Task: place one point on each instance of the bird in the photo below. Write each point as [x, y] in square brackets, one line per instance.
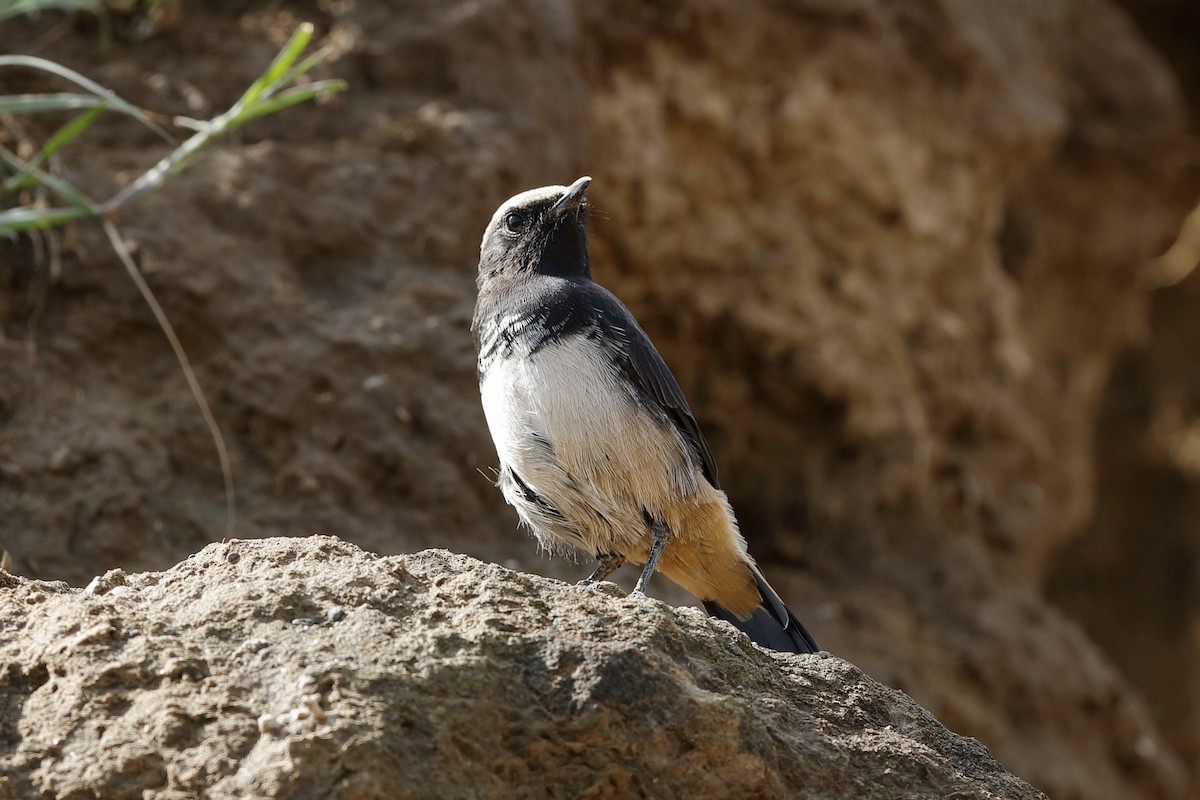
[599, 451]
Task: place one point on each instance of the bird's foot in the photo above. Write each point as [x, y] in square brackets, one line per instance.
[661, 533]
[609, 562]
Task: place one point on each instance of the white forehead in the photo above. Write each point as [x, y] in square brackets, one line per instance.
[539, 195]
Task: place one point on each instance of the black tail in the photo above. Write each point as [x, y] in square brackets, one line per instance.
[771, 625]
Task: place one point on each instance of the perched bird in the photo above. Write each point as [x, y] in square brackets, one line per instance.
[598, 448]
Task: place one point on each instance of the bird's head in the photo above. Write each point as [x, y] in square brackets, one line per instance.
[539, 231]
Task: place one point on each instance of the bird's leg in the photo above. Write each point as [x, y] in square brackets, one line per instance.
[609, 562]
[660, 533]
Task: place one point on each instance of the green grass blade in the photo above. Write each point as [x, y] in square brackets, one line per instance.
[114, 102]
[55, 184]
[45, 65]
[261, 99]
[306, 65]
[63, 101]
[16, 8]
[66, 191]
[26, 218]
[61, 138]
[288, 97]
[68, 133]
[267, 82]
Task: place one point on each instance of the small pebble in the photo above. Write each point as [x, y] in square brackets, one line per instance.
[60, 460]
[313, 704]
[335, 614]
[304, 622]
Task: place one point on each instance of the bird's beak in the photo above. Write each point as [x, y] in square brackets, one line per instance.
[571, 198]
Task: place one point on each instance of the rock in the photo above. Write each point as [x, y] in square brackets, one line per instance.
[446, 677]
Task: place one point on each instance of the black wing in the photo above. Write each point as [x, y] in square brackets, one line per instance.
[646, 368]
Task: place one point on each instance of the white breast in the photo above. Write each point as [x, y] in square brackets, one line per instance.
[565, 393]
[608, 457]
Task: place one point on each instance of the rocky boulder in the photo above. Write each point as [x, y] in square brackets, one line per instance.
[311, 668]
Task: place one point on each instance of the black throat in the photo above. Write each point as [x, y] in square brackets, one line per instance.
[564, 252]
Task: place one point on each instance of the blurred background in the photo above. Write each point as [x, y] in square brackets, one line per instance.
[902, 257]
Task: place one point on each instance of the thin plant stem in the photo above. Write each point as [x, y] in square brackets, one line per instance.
[114, 238]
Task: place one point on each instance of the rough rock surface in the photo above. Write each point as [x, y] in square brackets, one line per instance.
[310, 668]
[891, 250]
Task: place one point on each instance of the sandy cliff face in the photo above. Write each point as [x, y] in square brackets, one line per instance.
[891, 253]
[878, 204]
[1132, 575]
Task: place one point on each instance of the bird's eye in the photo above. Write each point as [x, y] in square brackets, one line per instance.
[514, 222]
